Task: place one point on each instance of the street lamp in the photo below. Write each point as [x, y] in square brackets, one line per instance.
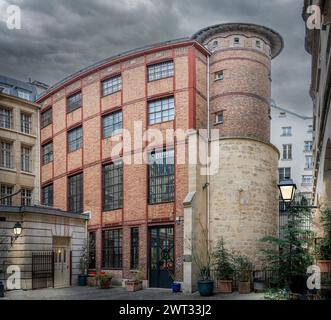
[287, 191]
[17, 232]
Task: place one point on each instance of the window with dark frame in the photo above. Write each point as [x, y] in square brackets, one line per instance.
[47, 150]
[112, 124]
[112, 249]
[25, 123]
[26, 159]
[75, 193]
[92, 250]
[219, 117]
[75, 139]
[111, 85]
[46, 118]
[160, 70]
[112, 186]
[161, 182]
[26, 197]
[6, 118]
[134, 262]
[74, 101]
[284, 174]
[47, 196]
[287, 152]
[6, 192]
[161, 110]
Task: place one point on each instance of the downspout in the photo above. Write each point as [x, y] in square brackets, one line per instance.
[208, 151]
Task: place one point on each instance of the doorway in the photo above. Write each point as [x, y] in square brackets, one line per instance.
[161, 259]
[62, 262]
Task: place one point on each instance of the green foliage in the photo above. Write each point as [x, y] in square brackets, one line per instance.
[275, 294]
[243, 267]
[289, 255]
[223, 261]
[324, 247]
[104, 278]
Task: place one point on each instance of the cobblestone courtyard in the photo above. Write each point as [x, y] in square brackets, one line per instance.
[117, 293]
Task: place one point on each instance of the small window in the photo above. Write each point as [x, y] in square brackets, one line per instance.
[308, 146]
[74, 102]
[46, 118]
[287, 152]
[6, 155]
[309, 162]
[161, 110]
[307, 180]
[282, 114]
[75, 139]
[286, 131]
[24, 94]
[310, 129]
[160, 71]
[284, 174]
[214, 45]
[6, 118]
[26, 159]
[5, 89]
[25, 123]
[112, 124]
[111, 85]
[219, 118]
[47, 153]
[26, 197]
[219, 75]
[47, 196]
[6, 195]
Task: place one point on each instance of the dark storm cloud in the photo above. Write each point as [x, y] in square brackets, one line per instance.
[63, 36]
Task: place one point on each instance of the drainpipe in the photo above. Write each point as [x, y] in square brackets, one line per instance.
[208, 149]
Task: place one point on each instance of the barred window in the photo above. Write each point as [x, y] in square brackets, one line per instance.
[161, 110]
[161, 177]
[112, 124]
[75, 193]
[26, 160]
[134, 263]
[112, 249]
[26, 197]
[47, 196]
[6, 118]
[111, 85]
[284, 174]
[92, 250]
[47, 152]
[25, 123]
[74, 102]
[6, 155]
[160, 70]
[46, 118]
[75, 139]
[6, 192]
[112, 186]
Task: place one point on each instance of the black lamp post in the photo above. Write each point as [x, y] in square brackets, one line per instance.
[17, 232]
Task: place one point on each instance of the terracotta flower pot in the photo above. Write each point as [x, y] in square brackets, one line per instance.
[224, 286]
[324, 265]
[244, 287]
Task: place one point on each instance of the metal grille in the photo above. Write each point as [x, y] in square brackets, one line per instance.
[42, 269]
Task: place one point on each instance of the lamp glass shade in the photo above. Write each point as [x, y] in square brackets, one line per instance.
[18, 229]
[287, 190]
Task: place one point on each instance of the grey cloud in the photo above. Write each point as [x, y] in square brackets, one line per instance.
[61, 37]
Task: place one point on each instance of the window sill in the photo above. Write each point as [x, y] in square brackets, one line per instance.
[28, 173]
[113, 136]
[286, 159]
[44, 127]
[160, 203]
[71, 111]
[158, 123]
[72, 151]
[8, 169]
[106, 211]
[218, 123]
[308, 169]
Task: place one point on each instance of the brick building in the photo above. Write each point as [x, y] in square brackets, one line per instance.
[218, 79]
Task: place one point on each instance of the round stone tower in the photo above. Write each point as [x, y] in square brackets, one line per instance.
[244, 193]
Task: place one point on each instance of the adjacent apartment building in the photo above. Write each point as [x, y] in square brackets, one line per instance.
[318, 44]
[292, 134]
[151, 215]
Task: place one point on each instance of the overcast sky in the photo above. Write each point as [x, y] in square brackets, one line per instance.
[60, 37]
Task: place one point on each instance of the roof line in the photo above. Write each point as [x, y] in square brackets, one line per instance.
[110, 59]
[291, 112]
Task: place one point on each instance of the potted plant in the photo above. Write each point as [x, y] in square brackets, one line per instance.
[324, 247]
[83, 265]
[203, 260]
[104, 280]
[135, 283]
[243, 273]
[176, 285]
[224, 268]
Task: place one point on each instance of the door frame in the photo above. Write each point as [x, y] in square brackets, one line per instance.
[153, 226]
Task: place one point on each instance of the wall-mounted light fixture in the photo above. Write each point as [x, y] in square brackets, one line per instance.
[17, 232]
